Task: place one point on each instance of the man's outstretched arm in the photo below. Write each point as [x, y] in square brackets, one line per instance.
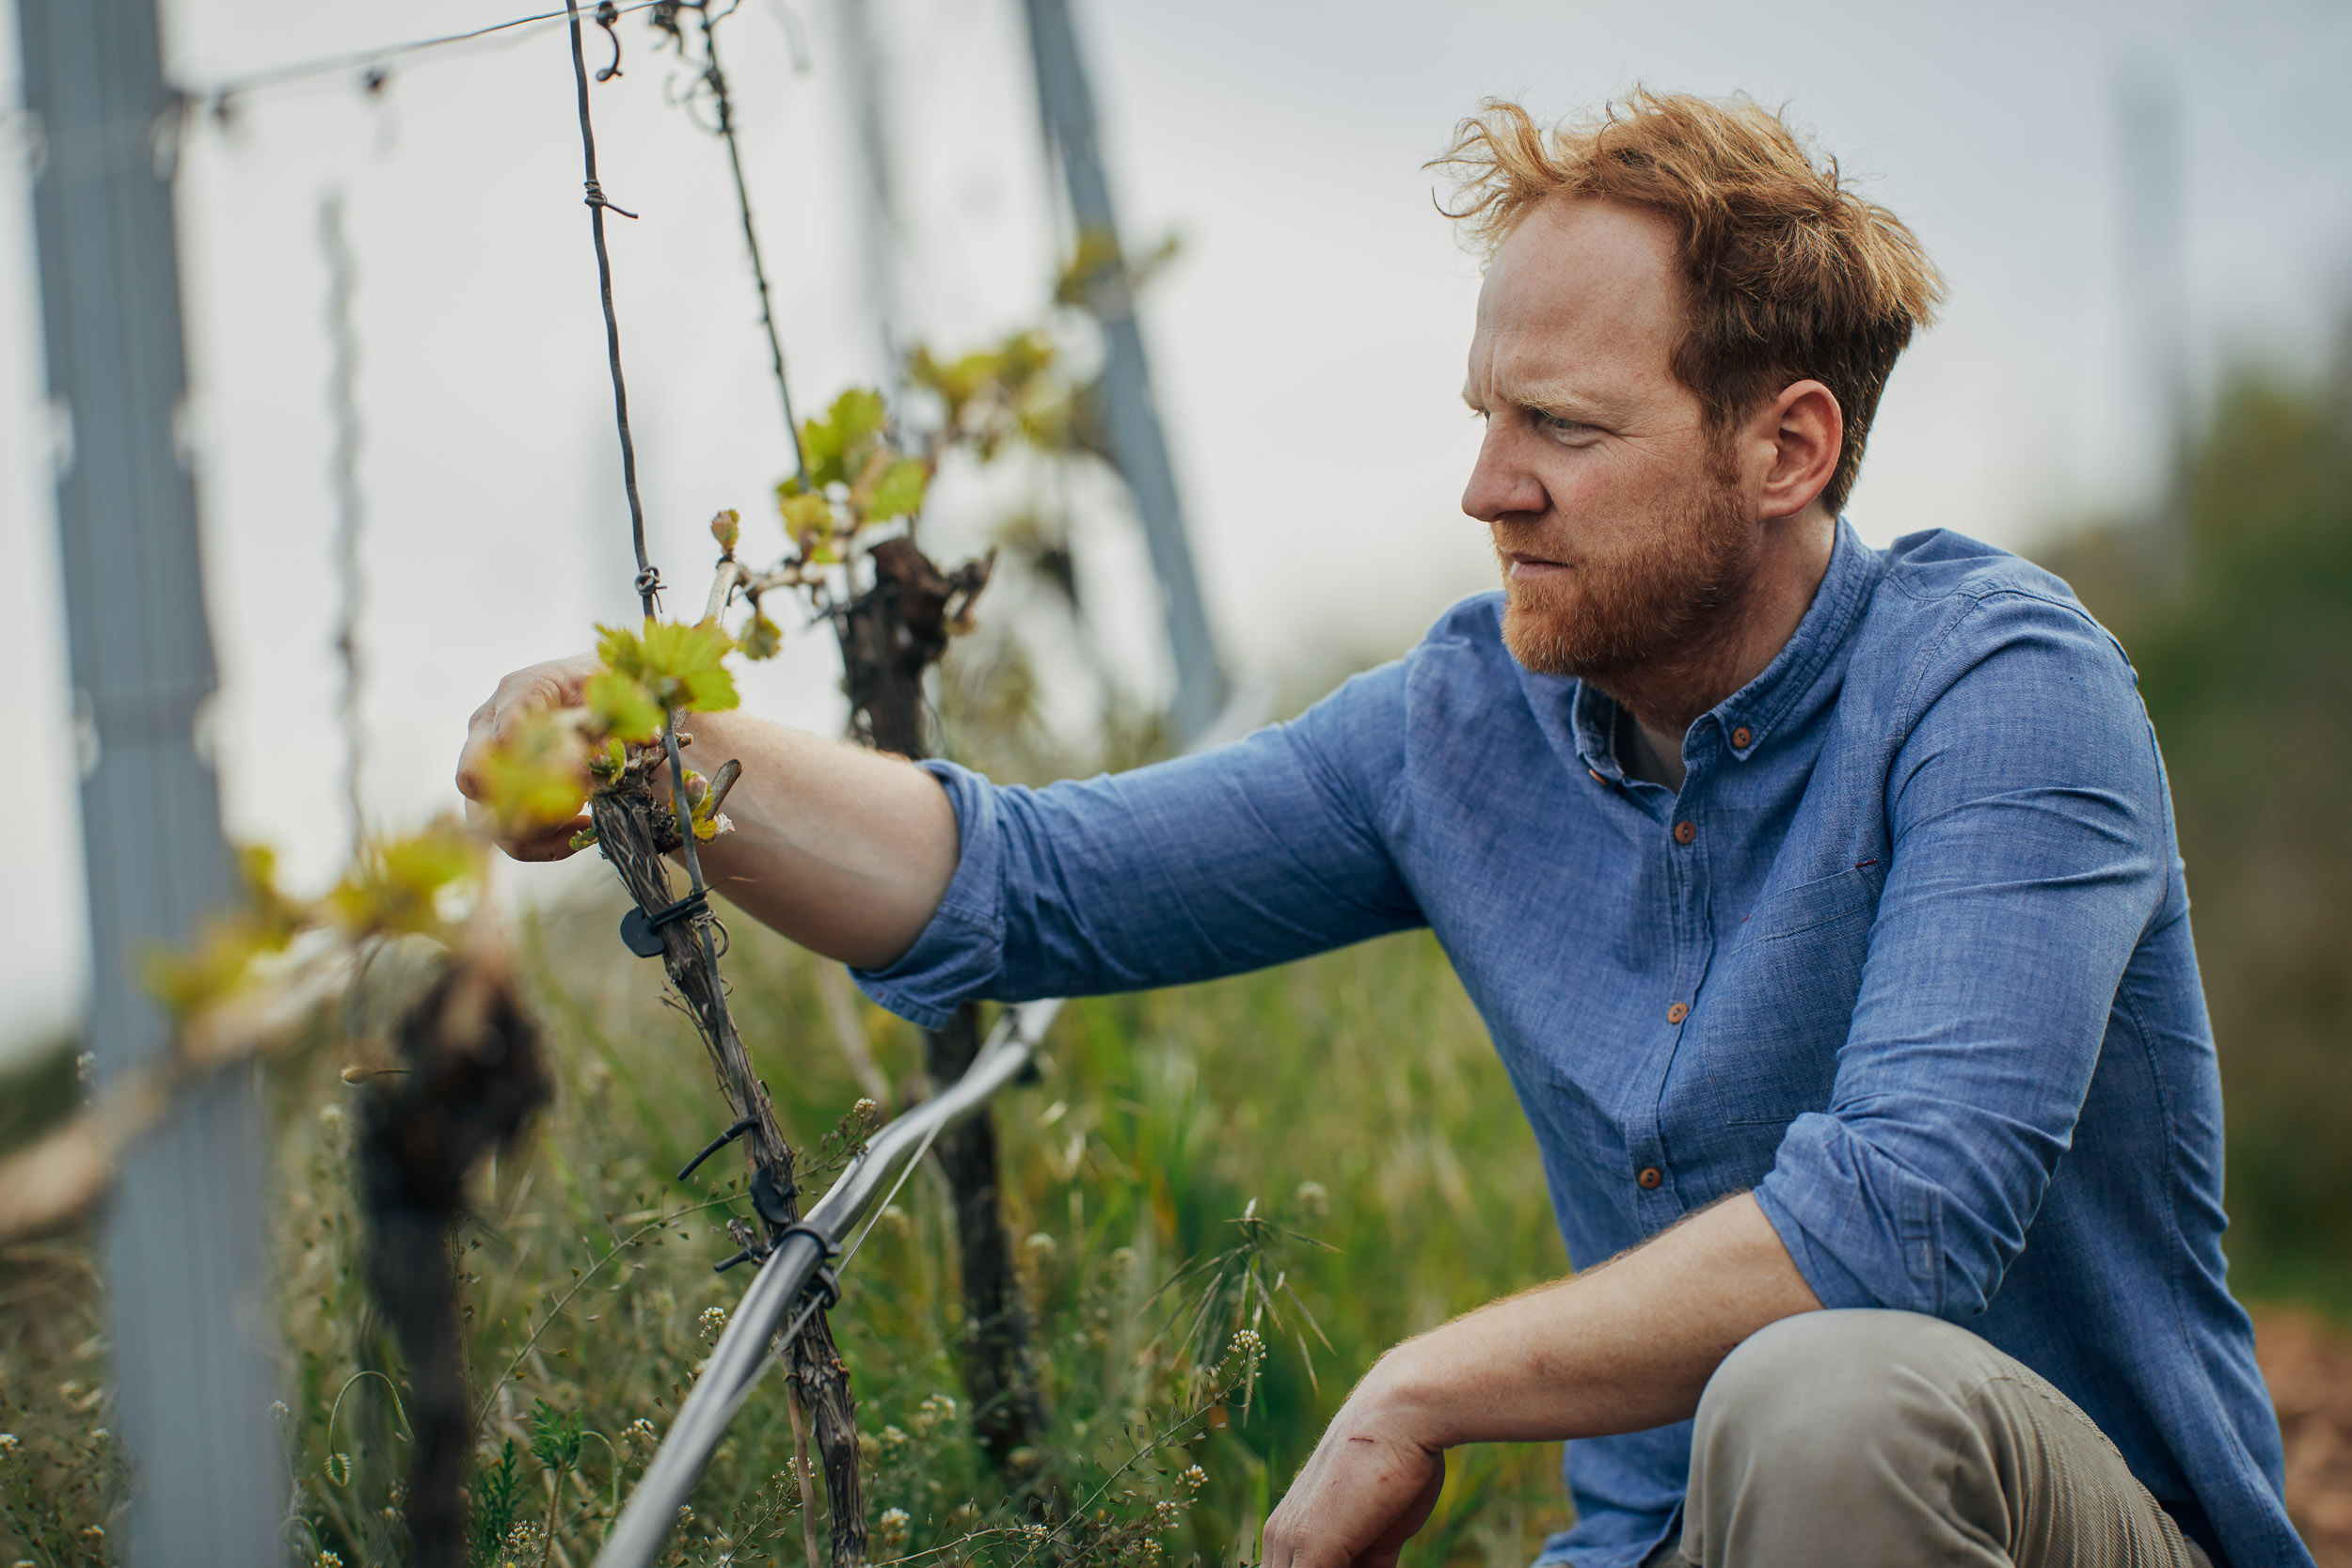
[846, 851]
[1619, 1348]
[1264, 851]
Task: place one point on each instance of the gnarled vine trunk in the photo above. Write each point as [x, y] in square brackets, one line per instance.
[890, 635]
[633, 828]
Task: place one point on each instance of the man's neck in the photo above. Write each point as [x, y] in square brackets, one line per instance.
[1666, 695]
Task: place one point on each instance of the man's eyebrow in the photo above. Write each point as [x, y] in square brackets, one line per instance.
[1565, 402]
[1560, 402]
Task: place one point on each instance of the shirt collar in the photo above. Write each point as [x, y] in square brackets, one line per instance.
[1786, 690]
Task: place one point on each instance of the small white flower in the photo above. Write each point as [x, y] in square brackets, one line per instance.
[714, 1320]
[891, 1529]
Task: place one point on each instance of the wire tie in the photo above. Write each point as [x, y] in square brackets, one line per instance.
[596, 197]
[607, 14]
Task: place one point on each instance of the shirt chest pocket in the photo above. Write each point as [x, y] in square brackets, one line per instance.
[1772, 1017]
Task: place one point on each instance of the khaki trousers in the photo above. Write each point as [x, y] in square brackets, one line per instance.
[1865, 1439]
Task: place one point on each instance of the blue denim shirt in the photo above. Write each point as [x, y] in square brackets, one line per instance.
[1908, 956]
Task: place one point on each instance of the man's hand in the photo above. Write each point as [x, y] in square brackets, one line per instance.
[846, 851]
[553, 685]
[1618, 1348]
[1369, 1485]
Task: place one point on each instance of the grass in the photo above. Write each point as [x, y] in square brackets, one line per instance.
[1351, 1099]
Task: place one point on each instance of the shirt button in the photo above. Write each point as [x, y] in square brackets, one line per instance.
[1649, 1177]
[1677, 1013]
[1740, 739]
[1685, 832]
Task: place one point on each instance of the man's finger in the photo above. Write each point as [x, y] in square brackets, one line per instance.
[544, 844]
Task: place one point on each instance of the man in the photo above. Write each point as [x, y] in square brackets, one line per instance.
[1822, 903]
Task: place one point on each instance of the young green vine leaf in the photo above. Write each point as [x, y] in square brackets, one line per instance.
[416, 885]
[762, 637]
[837, 443]
[647, 673]
[220, 961]
[898, 491]
[535, 780]
[412, 886]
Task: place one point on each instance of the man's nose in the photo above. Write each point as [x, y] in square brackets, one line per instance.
[1501, 486]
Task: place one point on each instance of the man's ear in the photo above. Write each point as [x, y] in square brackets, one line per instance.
[1806, 431]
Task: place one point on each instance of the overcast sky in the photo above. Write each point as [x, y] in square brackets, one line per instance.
[1308, 342]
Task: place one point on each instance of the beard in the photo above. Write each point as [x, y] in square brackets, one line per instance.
[1661, 604]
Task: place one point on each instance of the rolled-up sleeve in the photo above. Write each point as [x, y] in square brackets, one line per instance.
[2030, 851]
[1251, 854]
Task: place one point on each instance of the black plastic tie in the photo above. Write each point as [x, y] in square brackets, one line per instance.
[641, 932]
[773, 1199]
[717, 1144]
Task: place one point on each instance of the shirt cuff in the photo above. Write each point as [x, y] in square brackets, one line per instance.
[1861, 1229]
[961, 950]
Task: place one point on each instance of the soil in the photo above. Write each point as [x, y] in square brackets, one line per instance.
[2308, 1363]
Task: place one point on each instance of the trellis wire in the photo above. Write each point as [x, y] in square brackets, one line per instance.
[361, 59]
[648, 583]
[648, 579]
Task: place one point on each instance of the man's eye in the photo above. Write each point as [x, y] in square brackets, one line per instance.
[1558, 424]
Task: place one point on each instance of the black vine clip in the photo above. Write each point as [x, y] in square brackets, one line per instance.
[717, 1144]
[641, 932]
[774, 1200]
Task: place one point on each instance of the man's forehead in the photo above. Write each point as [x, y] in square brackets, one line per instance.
[1581, 294]
[1579, 249]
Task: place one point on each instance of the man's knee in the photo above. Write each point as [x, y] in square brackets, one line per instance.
[1821, 1384]
[1842, 1422]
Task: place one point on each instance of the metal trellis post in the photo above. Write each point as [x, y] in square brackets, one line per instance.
[185, 1258]
[1130, 418]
